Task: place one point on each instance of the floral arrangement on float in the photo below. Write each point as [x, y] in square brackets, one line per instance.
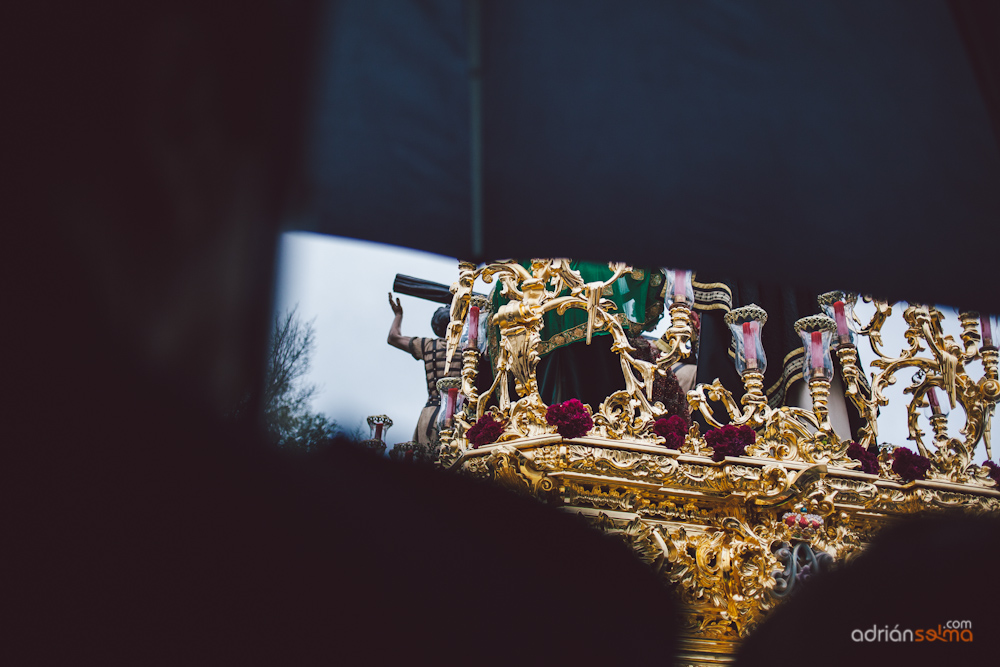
[728, 496]
[730, 441]
[485, 431]
[571, 418]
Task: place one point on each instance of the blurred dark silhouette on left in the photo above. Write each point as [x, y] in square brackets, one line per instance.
[161, 145]
[157, 147]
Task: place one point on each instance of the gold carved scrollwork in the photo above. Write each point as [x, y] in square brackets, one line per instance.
[533, 292]
[725, 574]
[511, 469]
[945, 369]
[714, 528]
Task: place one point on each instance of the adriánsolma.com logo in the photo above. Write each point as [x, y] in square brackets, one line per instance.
[952, 631]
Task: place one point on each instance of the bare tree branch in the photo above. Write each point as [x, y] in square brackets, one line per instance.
[285, 397]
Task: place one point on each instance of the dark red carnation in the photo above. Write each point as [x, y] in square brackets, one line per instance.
[730, 440]
[673, 429]
[909, 465]
[570, 418]
[869, 460]
[484, 431]
[994, 471]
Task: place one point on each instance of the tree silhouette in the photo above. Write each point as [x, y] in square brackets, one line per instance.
[285, 397]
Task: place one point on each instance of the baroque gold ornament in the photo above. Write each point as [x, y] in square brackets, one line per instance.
[730, 535]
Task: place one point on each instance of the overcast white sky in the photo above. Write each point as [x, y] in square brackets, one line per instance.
[342, 285]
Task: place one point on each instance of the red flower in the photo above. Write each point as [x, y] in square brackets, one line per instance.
[869, 460]
[570, 418]
[484, 431]
[673, 429]
[730, 440]
[909, 465]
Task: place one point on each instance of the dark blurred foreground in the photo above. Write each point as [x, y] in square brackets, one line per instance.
[158, 538]
[157, 154]
[918, 575]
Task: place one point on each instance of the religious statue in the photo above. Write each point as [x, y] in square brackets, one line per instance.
[433, 353]
[570, 365]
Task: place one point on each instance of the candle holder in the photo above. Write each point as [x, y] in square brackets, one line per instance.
[990, 327]
[989, 389]
[745, 325]
[839, 307]
[461, 291]
[850, 370]
[378, 426]
[676, 342]
[679, 288]
[470, 371]
[450, 403]
[937, 413]
[816, 332]
[473, 347]
[990, 383]
[753, 383]
[474, 327]
[970, 321]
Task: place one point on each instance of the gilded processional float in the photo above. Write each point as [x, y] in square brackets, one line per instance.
[735, 510]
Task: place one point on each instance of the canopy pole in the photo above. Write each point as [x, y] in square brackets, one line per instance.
[476, 127]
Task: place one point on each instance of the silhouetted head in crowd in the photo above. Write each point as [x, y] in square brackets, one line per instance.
[886, 605]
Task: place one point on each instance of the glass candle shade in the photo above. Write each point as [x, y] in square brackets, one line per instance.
[476, 323]
[679, 289]
[937, 404]
[988, 325]
[379, 425]
[817, 333]
[451, 401]
[745, 324]
[839, 307]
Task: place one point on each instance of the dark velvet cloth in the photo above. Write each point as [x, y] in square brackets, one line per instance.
[589, 373]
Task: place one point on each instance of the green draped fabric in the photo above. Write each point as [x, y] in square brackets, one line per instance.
[638, 298]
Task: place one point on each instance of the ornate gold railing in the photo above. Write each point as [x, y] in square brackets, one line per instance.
[734, 535]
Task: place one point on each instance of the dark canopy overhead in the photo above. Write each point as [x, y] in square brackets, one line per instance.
[821, 143]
